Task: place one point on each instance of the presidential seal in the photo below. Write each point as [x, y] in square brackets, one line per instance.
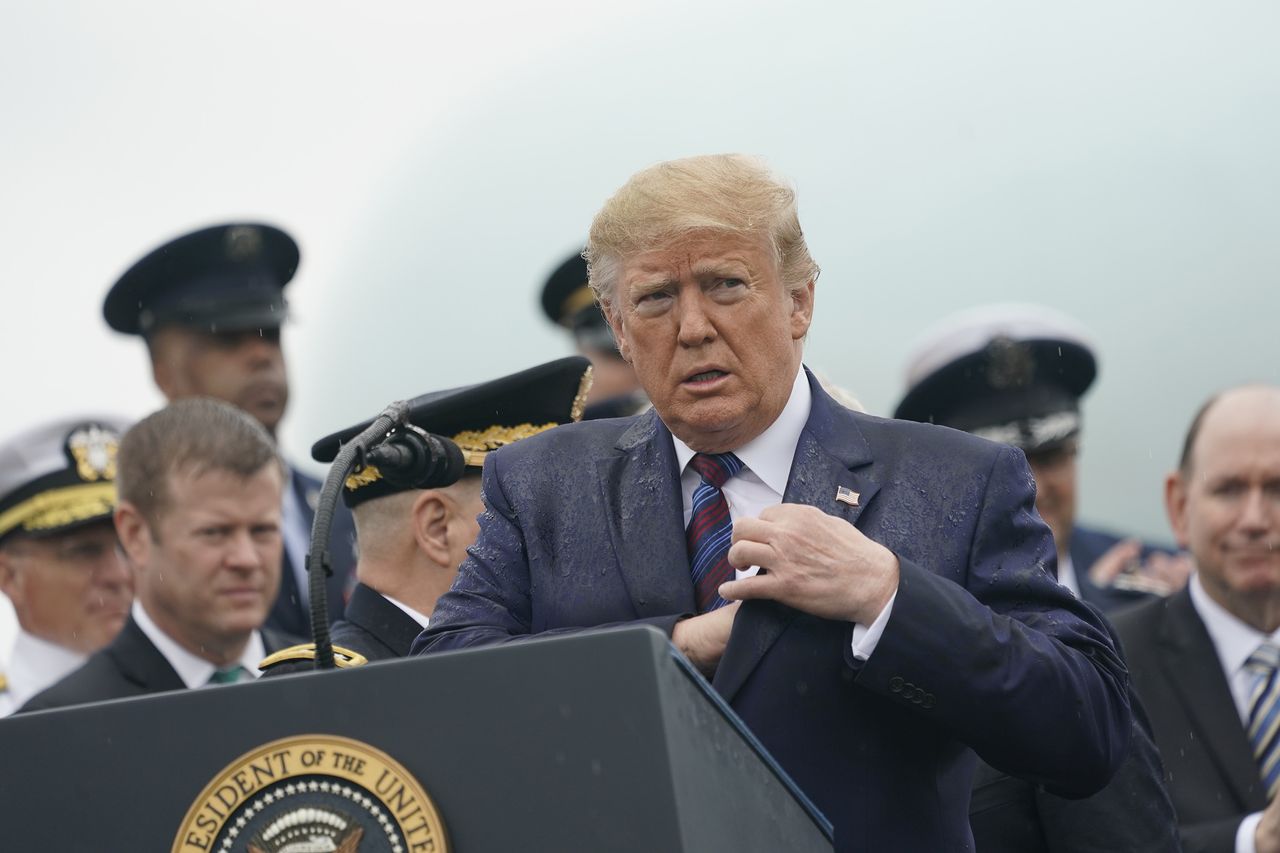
[312, 794]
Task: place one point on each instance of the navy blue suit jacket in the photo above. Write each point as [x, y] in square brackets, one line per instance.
[983, 649]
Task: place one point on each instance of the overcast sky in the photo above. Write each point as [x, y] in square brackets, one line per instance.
[1113, 160]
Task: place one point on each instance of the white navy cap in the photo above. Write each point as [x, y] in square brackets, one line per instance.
[59, 475]
[1013, 373]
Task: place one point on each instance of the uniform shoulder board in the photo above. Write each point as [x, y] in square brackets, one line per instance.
[306, 653]
[4, 683]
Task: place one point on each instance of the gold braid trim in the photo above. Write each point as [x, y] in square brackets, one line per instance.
[580, 399]
[366, 475]
[576, 301]
[60, 507]
[342, 658]
[476, 444]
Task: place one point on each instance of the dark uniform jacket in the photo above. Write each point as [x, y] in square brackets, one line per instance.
[374, 627]
[1087, 545]
[130, 666]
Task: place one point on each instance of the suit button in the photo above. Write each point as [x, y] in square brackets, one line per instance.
[929, 701]
[895, 684]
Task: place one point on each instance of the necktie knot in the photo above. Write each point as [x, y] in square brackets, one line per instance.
[230, 675]
[715, 468]
[1264, 660]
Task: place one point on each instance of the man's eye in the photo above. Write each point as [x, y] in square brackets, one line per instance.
[731, 282]
[85, 553]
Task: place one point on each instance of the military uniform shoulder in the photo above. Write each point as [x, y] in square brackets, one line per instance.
[301, 658]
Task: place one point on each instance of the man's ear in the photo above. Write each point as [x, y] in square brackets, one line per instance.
[134, 533]
[1175, 504]
[164, 353]
[613, 317]
[11, 579]
[430, 514]
[801, 311]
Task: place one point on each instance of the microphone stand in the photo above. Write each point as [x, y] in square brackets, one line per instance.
[319, 567]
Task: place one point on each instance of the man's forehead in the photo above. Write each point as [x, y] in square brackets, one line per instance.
[196, 476]
[698, 255]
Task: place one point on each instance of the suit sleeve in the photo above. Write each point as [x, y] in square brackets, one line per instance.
[491, 598]
[1010, 662]
[1217, 836]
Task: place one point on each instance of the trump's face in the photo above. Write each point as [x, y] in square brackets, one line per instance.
[714, 335]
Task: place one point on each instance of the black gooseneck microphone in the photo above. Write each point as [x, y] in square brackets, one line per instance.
[414, 459]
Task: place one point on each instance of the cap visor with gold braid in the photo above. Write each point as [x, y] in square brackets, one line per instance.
[58, 476]
[479, 418]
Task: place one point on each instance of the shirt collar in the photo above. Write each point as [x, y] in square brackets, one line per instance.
[35, 663]
[409, 611]
[1233, 638]
[769, 454]
[194, 671]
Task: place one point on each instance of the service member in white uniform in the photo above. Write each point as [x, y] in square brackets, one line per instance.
[60, 564]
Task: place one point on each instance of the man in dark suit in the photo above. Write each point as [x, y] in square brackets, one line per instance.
[1204, 660]
[902, 612]
[413, 540]
[210, 305]
[199, 522]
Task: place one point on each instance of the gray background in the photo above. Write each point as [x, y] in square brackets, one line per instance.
[1114, 160]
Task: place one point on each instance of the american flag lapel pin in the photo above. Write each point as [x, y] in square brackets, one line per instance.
[847, 496]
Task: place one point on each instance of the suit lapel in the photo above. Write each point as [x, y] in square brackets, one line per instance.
[1194, 670]
[640, 489]
[140, 662]
[831, 455]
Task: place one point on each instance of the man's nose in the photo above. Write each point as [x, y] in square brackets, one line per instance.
[242, 554]
[111, 569]
[1258, 515]
[695, 326]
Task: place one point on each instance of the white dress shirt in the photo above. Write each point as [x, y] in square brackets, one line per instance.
[34, 665]
[296, 533]
[196, 671]
[409, 611]
[1234, 640]
[1067, 574]
[762, 482]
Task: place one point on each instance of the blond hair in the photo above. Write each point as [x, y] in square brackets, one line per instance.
[725, 193]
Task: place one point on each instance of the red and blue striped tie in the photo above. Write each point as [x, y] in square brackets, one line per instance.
[710, 528]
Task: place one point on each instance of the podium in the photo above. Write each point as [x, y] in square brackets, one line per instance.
[595, 741]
